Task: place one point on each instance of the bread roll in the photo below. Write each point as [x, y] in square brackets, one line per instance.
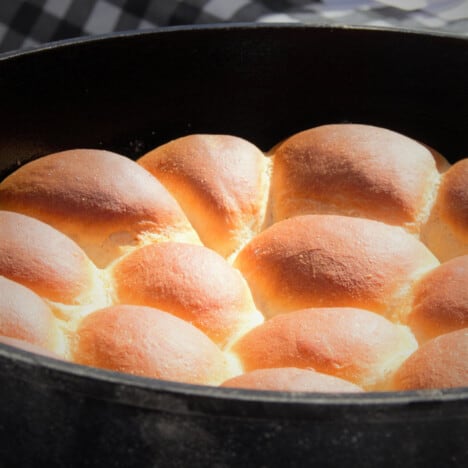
[41, 258]
[190, 281]
[314, 274]
[221, 181]
[291, 379]
[148, 342]
[352, 344]
[328, 260]
[446, 231]
[440, 302]
[102, 200]
[25, 316]
[354, 170]
[440, 363]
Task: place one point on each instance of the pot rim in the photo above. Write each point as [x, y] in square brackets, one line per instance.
[176, 397]
[235, 26]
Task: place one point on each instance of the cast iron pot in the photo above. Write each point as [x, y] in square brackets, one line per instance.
[131, 92]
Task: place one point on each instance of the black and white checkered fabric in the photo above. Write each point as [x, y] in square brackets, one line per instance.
[26, 24]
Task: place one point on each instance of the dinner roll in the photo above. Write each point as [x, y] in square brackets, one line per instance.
[43, 259]
[102, 200]
[314, 267]
[355, 170]
[440, 363]
[352, 344]
[148, 342]
[440, 303]
[190, 281]
[221, 181]
[446, 231]
[25, 316]
[291, 379]
[329, 260]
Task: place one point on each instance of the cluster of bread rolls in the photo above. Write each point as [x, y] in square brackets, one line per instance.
[335, 262]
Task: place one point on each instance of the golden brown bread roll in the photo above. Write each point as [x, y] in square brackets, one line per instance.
[148, 342]
[102, 200]
[328, 260]
[440, 303]
[221, 181]
[291, 379]
[439, 363]
[43, 259]
[352, 344]
[25, 316]
[157, 304]
[446, 231]
[190, 281]
[354, 170]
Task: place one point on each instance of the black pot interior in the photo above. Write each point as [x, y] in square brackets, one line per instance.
[130, 93]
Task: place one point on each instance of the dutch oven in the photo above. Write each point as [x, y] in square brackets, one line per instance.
[131, 92]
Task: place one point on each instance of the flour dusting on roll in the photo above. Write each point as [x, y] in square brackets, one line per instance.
[328, 260]
[354, 170]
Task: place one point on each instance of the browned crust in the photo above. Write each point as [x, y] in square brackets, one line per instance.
[217, 179]
[43, 259]
[353, 169]
[148, 342]
[440, 302]
[351, 344]
[326, 260]
[440, 363]
[92, 194]
[189, 281]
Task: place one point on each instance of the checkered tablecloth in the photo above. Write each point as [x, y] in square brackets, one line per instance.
[26, 24]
